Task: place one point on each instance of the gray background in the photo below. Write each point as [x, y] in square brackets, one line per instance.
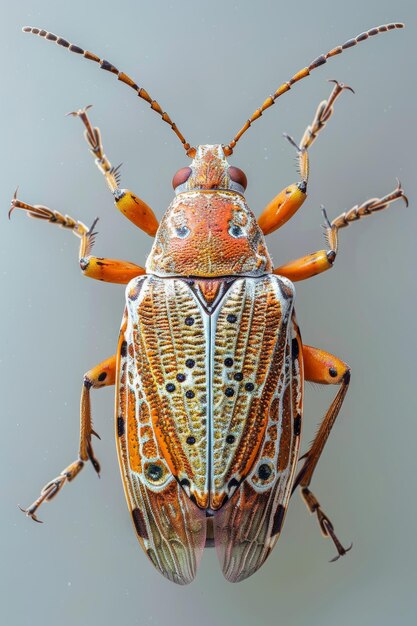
[210, 64]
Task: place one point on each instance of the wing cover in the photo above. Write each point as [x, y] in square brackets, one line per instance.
[169, 525]
[248, 526]
[249, 343]
[208, 391]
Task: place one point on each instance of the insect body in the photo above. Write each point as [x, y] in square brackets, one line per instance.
[210, 365]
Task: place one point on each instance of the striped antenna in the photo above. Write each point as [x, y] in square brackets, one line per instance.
[228, 149]
[105, 65]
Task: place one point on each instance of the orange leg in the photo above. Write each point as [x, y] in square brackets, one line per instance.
[282, 207]
[108, 270]
[132, 207]
[290, 199]
[102, 375]
[325, 369]
[320, 261]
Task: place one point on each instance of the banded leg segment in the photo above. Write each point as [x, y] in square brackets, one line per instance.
[107, 270]
[318, 262]
[290, 199]
[132, 207]
[325, 369]
[102, 375]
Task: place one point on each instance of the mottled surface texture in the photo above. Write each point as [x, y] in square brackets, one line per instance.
[210, 400]
[209, 65]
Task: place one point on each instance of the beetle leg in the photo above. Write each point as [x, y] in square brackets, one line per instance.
[102, 375]
[132, 207]
[325, 369]
[323, 260]
[108, 270]
[290, 199]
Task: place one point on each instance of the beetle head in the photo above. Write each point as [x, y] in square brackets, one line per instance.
[209, 230]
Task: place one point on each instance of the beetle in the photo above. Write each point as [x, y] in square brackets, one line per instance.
[210, 365]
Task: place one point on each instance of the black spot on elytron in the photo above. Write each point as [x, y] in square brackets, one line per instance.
[233, 483]
[180, 378]
[333, 372]
[238, 376]
[190, 394]
[229, 392]
[190, 363]
[278, 520]
[189, 321]
[264, 471]
[102, 376]
[190, 440]
[230, 439]
[170, 387]
[185, 482]
[139, 522]
[154, 472]
[228, 362]
[295, 349]
[249, 386]
[120, 427]
[231, 318]
[297, 425]
[123, 348]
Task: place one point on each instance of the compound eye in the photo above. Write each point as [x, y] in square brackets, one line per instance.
[181, 177]
[238, 176]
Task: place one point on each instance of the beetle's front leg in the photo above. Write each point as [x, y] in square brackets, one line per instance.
[290, 199]
[132, 207]
[102, 375]
[108, 270]
[325, 369]
[320, 261]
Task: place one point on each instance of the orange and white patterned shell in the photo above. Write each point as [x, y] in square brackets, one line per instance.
[208, 417]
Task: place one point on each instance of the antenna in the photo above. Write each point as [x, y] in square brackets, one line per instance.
[228, 149]
[124, 78]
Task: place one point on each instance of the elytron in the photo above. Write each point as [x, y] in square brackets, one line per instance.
[210, 366]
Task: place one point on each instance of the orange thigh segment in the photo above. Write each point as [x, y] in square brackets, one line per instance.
[136, 210]
[281, 208]
[322, 367]
[110, 270]
[307, 266]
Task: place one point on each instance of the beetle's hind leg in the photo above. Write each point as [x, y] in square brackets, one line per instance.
[290, 199]
[102, 375]
[128, 203]
[325, 369]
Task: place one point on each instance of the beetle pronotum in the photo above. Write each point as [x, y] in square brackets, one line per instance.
[210, 366]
